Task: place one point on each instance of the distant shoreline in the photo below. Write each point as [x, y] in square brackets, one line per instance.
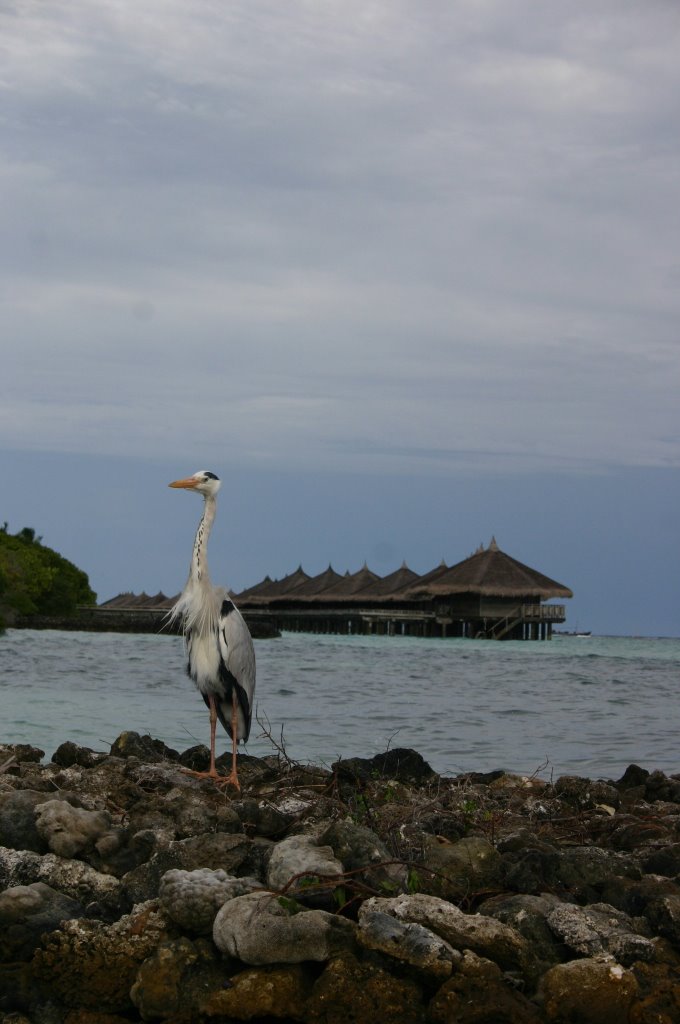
[99, 620]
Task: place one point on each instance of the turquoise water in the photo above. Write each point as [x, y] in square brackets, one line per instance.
[587, 706]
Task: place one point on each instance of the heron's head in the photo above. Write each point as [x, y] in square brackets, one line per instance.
[205, 482]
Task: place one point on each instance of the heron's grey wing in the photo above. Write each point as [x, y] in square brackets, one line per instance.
[238, 658]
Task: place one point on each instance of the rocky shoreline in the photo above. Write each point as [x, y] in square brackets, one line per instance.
[375, 891]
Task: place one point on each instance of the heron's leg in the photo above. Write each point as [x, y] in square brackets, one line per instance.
[233, 778]
[212, 771]
[213, 729]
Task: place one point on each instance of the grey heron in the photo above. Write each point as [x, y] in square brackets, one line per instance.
[219, 648]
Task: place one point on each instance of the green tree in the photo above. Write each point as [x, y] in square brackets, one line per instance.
[36, 580]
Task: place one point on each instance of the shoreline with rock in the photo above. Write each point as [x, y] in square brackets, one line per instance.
[375, 890]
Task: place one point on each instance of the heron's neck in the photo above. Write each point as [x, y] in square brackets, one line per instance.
[199, 560]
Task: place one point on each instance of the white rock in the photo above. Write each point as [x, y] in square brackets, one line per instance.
[258, 929]
[300, 856]
[483, 935]
[408, 942]
[72, 877]
[66, 829]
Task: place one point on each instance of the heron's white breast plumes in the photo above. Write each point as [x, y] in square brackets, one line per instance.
[196, 609]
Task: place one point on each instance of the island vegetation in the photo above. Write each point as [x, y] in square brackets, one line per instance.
[36, 580]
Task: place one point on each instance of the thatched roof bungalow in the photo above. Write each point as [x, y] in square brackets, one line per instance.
[489, 594]
[494, 594]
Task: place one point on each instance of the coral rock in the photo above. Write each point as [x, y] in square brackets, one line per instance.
[459, 869]
[174, 979]
[260, 929]
[213, 850]
[91, 965]
[600, 929]
[663, 914]
[363, 994]
[71, 877]
[17, 820]
[483, 935]
[302, 859]
[357, 847]
[478, 994]
[69, 830]
[262, 992]
[589, 991]
[407, 942]
[26, 911]
[147, 749]
[192, 898]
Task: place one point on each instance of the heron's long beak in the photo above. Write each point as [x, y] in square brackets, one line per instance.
[188, 482]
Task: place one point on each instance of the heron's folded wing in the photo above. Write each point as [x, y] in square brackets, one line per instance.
[238, 655]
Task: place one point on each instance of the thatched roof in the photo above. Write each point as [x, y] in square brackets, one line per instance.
[258, 590]
[120, 601]
[311, 586]
[491, 573]
[435, 573]
[364, 585]
[405, 581]
[269, 588]
[349, 585]
[138, 601]
[386, 586]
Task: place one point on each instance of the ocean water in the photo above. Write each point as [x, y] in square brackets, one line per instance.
[575, 705]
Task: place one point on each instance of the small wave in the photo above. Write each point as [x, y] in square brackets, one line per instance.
[518, 712]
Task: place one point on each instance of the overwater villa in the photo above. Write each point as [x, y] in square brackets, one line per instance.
[489, 595]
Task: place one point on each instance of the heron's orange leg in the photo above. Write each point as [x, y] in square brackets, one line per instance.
[233, 778]
[220, 780]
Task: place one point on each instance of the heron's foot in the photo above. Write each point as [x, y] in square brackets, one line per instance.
[230, 780]
[219, 780]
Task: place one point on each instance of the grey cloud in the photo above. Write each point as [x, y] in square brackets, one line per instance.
[316, 225]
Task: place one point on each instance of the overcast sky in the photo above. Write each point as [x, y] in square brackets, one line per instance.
[402, 273]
